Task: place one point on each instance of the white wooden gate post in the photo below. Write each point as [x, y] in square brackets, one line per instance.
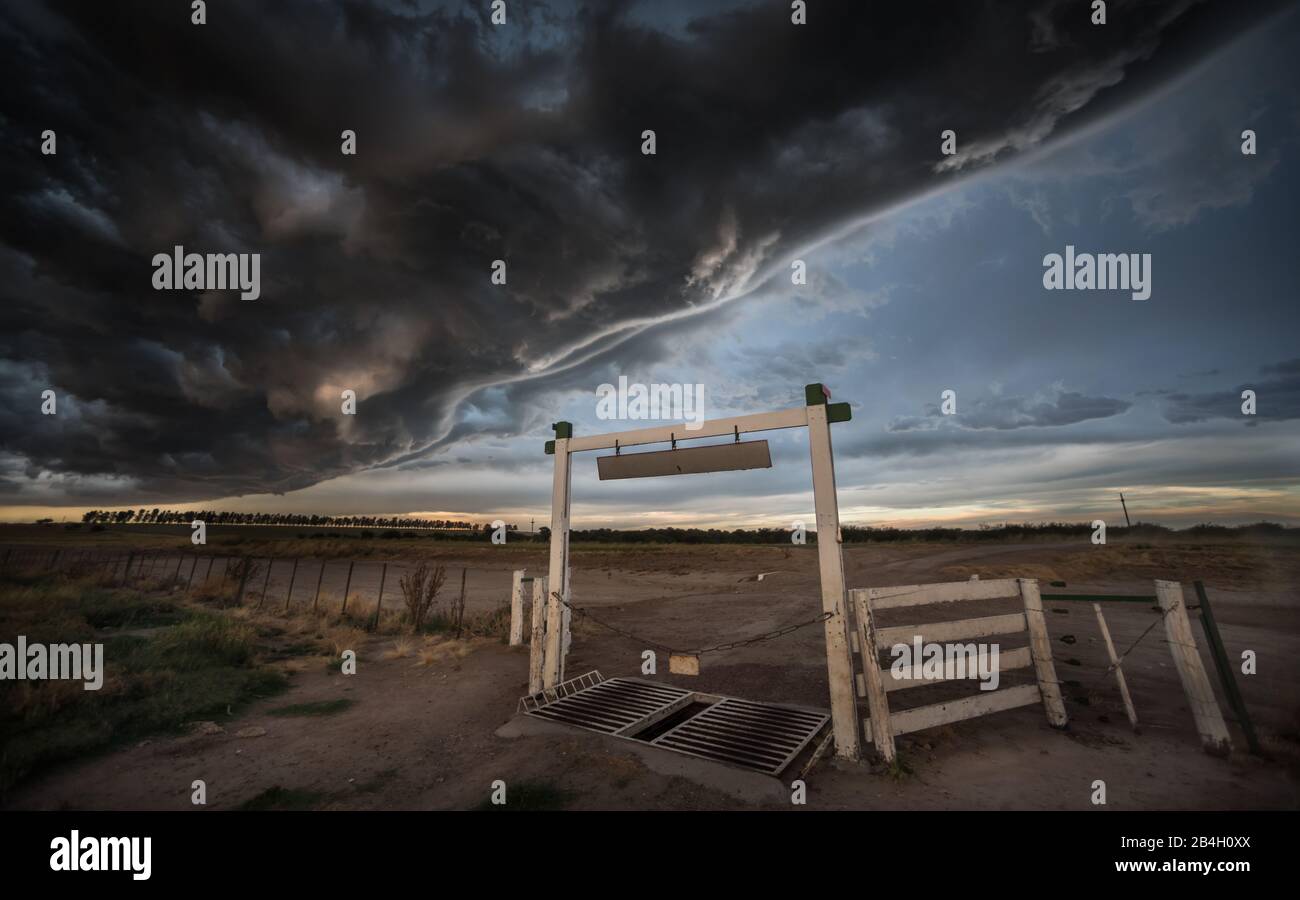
[517, 608]
[839, 653]
[1187, 659]
[537, 646]
[566, 615]
[1040, 650]
[882, 732]
[558, 581]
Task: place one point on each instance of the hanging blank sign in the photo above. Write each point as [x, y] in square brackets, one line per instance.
[683, 664]
[686, 461]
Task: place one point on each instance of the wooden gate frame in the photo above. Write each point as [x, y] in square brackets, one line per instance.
[882, 725]
[817, 414]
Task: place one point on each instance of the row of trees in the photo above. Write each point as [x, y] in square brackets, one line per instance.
[212, 517]
[851, 534]
[854, 534]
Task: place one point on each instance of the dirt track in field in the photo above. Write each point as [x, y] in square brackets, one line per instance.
[422, 734]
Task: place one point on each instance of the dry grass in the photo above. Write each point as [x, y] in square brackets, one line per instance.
[1228, 565]
[438, 649]
[401, 648]
[344, 637]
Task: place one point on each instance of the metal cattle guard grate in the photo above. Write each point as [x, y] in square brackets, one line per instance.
[759, 736]
[817, 415]
[615, 706]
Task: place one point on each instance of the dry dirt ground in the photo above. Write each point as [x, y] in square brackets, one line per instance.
[423, 733]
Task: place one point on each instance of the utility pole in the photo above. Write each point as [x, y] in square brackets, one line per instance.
[1125, 505]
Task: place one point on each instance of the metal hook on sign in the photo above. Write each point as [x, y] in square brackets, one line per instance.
[737, 427]
[616, 450]
[673, 438]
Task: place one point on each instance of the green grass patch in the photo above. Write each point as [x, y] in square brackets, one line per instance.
[319, 708]
[899, 769]
[196, 665]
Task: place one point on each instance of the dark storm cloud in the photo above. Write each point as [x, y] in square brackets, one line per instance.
[1007, 413]
[1277, 395]
[474, 144]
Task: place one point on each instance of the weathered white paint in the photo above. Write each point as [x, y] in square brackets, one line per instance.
[881, 724]
[947, 592]
[517, 608]
[830, 559]
[537, 644]
[959, 630]
[1008, 661]
[1041, 647]
[557, 581]
[910, 720]
[1116, 666]
[1196, 684]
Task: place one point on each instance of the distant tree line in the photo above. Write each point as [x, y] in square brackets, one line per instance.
[856, 534]
[157, 516]
[851, 534]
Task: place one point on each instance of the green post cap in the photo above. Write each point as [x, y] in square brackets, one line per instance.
[550, 448]
[838, 412]
[815, 394]
[563, 429]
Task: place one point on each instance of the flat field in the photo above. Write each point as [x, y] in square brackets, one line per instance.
[428, 721]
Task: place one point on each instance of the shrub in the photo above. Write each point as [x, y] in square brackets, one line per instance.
[420, 592]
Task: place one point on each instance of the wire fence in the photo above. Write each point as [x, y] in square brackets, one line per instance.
[362, 588]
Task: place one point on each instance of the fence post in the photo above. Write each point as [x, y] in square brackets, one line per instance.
[882, 731]
[379, 603]
[315, 601]
[537, 647]
[243, 580]
[566, 618]
[270, 563]
[1040, 648]
[1220, 655]
[830, 561]
[517, 608]
[460, 606]
[1196, 684]
[293, 576]
[194, 568]
[126, 570]
[1115, 663]
[346, 585]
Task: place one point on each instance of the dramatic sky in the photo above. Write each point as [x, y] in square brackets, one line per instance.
[775, 142]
